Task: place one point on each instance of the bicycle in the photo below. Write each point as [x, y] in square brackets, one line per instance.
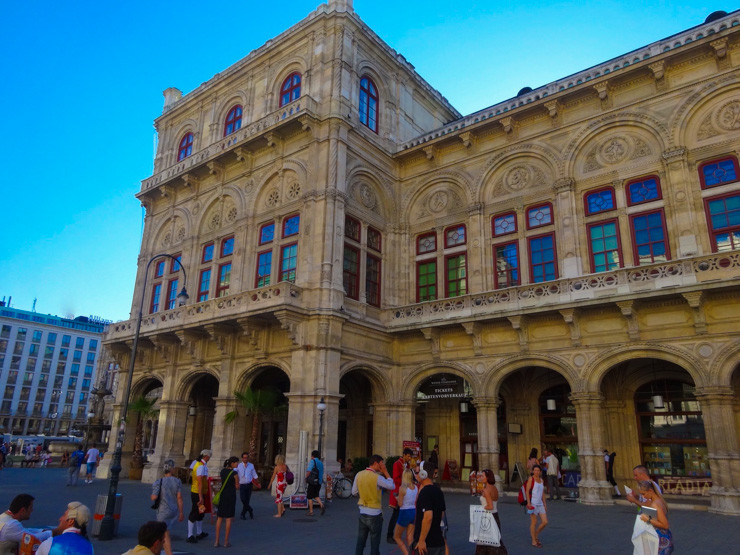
[341, 486]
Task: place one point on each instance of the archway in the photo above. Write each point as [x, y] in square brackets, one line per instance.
[355, 426]
[273, 422]
[201, 411]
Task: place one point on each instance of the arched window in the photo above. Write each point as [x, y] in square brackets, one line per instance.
[291, 89]
[233, 120]
[186, 147]
[369, 104]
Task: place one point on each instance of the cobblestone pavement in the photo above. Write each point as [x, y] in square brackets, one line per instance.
[574, 528]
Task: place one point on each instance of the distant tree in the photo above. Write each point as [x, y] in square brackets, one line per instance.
[254, 402]
[144, 408]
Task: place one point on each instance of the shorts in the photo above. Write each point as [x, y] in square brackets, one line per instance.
[539, 509]
[90, 467]
[312, 492]
[406, 517]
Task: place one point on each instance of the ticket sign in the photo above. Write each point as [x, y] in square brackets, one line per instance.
[443, 386]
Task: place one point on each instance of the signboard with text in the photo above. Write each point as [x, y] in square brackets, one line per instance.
[443, 386]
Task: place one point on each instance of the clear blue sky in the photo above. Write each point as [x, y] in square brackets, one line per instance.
[83, 82]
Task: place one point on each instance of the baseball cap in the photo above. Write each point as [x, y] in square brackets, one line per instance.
[79, 512]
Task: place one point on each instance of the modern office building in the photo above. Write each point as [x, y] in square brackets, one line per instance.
[49, 368]
[558, 270]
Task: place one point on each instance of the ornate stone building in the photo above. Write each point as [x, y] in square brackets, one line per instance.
[560, 269]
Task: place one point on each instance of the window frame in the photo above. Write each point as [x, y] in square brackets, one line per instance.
[702, 177]
[419, 239]
[282, 271]
[539, 205]
[289, 88]
[456, 245]
[185, 149]
[419, 263]
[587, 194]
[223, 290]
[355, 221]
[155, 300]
[511, 213]
[175, 266]
[355, 292]
[464, 279]
[369, 104]
[262, 227]
[201, 292]
[370, 232]
[710, 227]
[257, 276]
[159, 268]
[224, 242]
[592, 253]
[285, 221]
[203, 259]
[554, 259]
[233, 118]
[518, 269]
[171, 299]
[628, 194]
[635, 250]
[373, 284]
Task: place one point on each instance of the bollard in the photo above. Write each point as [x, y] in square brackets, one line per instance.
[100, 513]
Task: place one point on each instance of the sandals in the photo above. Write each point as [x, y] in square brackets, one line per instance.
[538, 544]
[310, 514]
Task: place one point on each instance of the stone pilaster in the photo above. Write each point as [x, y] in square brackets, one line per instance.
[170, 438]
[593, 487]
[722, 445]
[488, 447]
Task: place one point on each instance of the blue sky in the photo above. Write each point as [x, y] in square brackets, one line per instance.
[83, 82]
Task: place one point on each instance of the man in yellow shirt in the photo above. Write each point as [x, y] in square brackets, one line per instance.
[198, 491]
[368, 485]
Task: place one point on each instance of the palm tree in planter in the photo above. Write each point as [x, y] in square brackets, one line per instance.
[144, 408]
[254, 402]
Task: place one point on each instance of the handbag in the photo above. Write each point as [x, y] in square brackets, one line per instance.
[217, 497]
[155, 505]
[313, 477]
[483, 527]
[289, 477]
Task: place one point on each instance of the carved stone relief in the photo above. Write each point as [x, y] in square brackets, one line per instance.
[728, 116]
[439, 201]
[615, 150]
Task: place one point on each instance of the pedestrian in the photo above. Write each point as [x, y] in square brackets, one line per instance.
[153, 538]
[74, 462]
[72, 537]
[434, 457]
[430, 511]
[403, 533]
[348, 468]
[314, 478]
[640, 474]
[655, 500]
[489, 501]
[198, 492]
[553, 472]
[536, 504]
[368, 484]
[398, 467]
[11, 529]
[247, 479]
[168, 489]
[609, 468]
[279, 476]
[92, 459]
[532, 460]
[227, 500]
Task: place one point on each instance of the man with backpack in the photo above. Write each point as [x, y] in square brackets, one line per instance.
[73, 466]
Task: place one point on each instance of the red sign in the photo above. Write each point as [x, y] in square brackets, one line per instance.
[415, 446]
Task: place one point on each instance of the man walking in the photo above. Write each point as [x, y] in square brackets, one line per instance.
[198, 491]
[368, 484]
[398, 467]
[553, 469]
[73, 466]
[314, 477]
[640, 474]
[430, 508]
[92, 459]
[246, 473]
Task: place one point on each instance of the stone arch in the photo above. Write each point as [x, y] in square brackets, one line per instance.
[382, 388]
[280, 186]
[727, 364]
[145, 384]
[296, 64]
[219, 213]
[498, 373]
[247, 376]
[415, 378]
[597, 369]
[173, 231]
[227, 103]
[184, 387]
[693, 122]
[369, 68]
[614, 142]
[188, 125]
[444, 195]
[368, 192]
[518, 171]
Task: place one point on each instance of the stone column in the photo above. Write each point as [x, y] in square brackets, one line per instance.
[170, 439]
[488, 447]
[103, 470]
[223, 442]
[593, 487]
[722, 445]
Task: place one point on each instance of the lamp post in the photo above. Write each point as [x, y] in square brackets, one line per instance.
[107, 524]
[321, 407]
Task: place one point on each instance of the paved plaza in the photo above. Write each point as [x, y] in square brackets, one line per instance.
[574, 528]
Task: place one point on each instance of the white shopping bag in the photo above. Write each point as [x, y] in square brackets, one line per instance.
[483, 527]
[644, 538]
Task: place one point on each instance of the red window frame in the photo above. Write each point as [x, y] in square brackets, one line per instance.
[156, 297]
[462, 281]
[374, 239]
[285, 222]
[290, 90]
[592, 253]
[227, 242]
[420, 238]
[233, 120]
[351, 276]
[586, 207]
[266, 277]
[175, 266]
[369, 103]
[186, 147]
[224, 271]
[513, 280]
[419, 287]
[372, 279]
[554, 260]
[159, 268]
[172, 294]
[262, 240]
[503, 215]
[628, 192]
[539, 207]
[702, 177]
[352, 225]
[207, 253]
[730, 229]
[457, 227]
[289, 271]
[204, 284]
[636, 246]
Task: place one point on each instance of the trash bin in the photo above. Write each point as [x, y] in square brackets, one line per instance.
[100, 505]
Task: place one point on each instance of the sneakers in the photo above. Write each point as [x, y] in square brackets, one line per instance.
[191, 539]
[201, 535]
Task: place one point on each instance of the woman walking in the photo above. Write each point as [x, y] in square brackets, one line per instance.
[536, 504]
[660, 522]
[532, 460]
[227, 499]
[489, 501]
[168, 490]
[406, 512]
[279, 476]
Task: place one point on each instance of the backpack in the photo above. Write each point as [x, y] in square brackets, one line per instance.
[522, 497]
[74, 461]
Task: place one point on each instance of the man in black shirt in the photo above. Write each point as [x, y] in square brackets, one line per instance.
[430, 508]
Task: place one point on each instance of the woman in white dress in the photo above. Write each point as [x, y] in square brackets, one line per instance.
[489, 501]
[536, 504]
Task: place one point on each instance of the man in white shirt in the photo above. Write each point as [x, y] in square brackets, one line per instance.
[246, 473]
[92, 459]
[553, 469]
[11, 529]
[640, 473]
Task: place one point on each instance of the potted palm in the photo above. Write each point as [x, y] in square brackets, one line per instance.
[143, 407]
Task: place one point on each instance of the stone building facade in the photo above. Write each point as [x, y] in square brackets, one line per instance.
[558, 270]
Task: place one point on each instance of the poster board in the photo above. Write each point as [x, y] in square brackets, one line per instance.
[520, 472]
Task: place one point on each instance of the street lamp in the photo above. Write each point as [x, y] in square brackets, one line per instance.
[322, 407]
[107, 524]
